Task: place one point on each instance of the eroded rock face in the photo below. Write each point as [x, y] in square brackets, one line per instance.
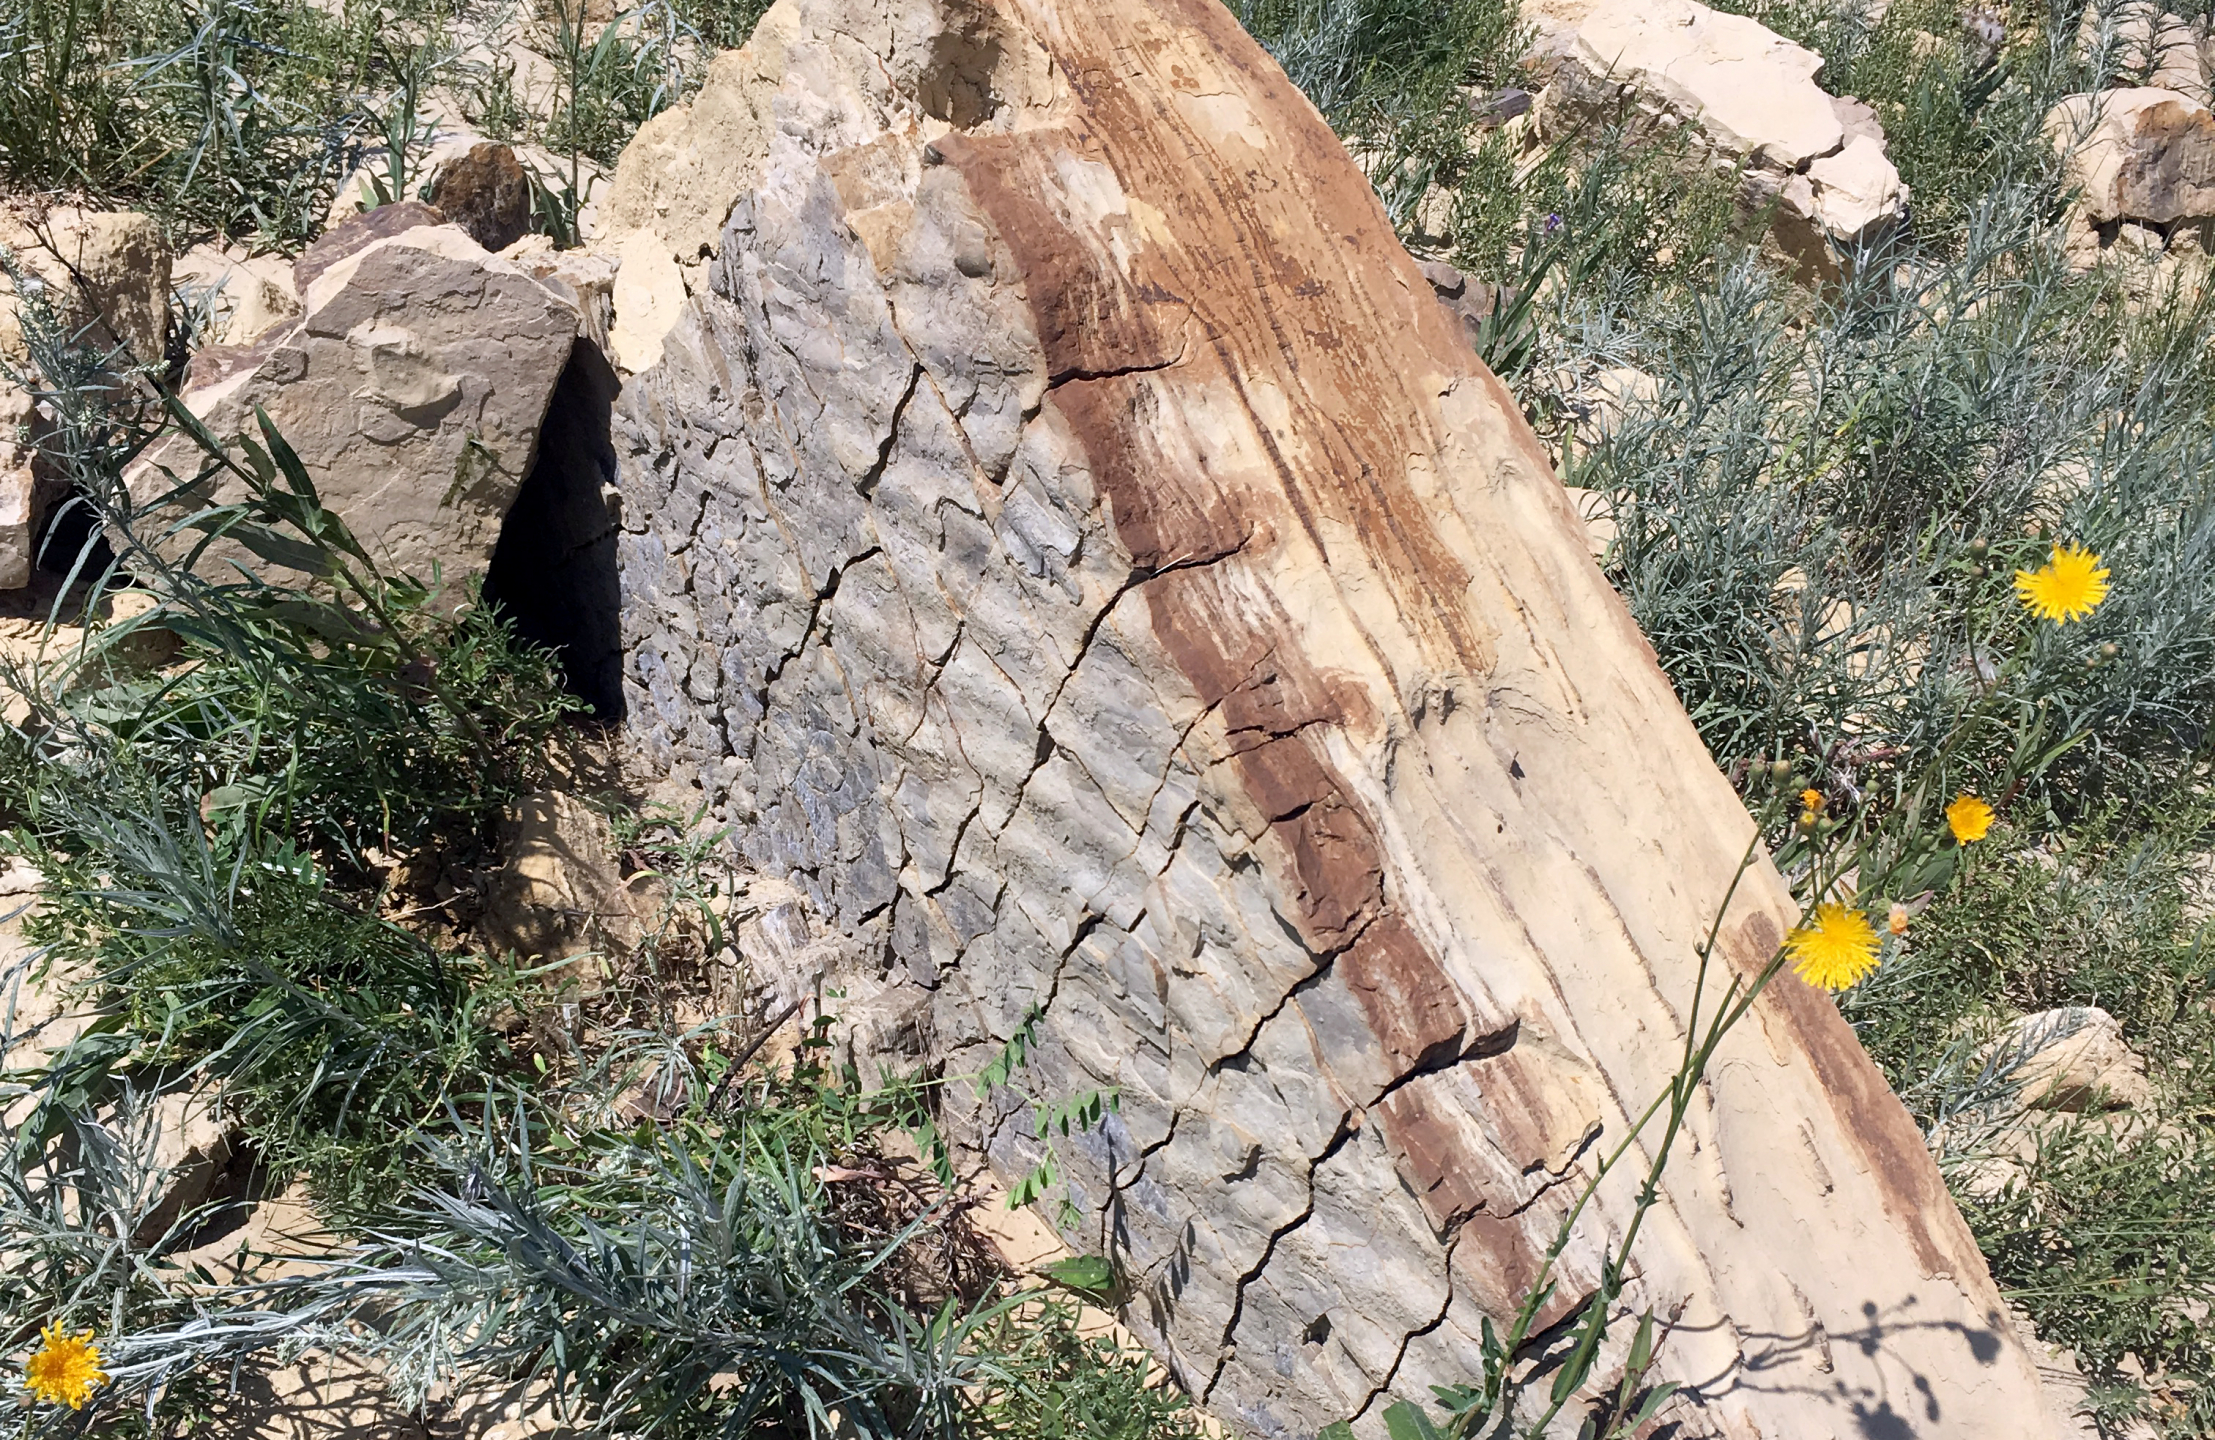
[412, 386]
[1063, 533]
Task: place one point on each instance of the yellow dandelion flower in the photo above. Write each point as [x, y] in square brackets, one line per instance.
[1812, 801]
[2068, 587]
[1837, 950]
[1969, 818]
[65, 1369]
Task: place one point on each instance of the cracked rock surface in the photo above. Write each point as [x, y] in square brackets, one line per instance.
[1064, 536]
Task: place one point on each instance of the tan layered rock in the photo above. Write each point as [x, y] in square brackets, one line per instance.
[103, 278]
[412, 386]
[2145, 40]
[2138, 155]
[104, 272]
[1751, 94]
[1065, 535]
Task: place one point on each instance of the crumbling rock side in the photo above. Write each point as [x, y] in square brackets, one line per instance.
[1063, 534]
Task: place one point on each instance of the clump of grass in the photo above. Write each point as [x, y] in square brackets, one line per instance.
[221, 116]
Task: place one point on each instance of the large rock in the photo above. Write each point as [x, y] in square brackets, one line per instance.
[2138, 155]
[1063, 533]
[412, 387]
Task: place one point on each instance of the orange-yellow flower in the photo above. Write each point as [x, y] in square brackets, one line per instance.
[1811, 801]
[2068, 587]
[1895, 919]
[65, 1369]
[1836, 950]
[1969, 818]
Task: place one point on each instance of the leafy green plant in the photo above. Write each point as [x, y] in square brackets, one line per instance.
[1050, 1120]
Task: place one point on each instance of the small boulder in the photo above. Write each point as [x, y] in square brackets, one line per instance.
[106, 272]
[1857, 191]
[487, 192]
[2143, 154]
[412, 387]
[2074, 1058]
[561, 892]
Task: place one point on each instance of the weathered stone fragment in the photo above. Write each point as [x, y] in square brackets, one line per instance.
[559, 893]
[2141, 154]
[1752, 96]
[2074, 1058]
[104, 272]
[487, 193]
[20, 495]
[412, 387]
[1064, 534]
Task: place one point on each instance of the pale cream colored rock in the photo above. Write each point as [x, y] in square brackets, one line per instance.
[2075, 1059]
[2141, 154]
[412, 389]
[1857, 192]
[1070, 543]
[264, 303]
[679, 174]
[1752, 91]
[1754, 98]
[18, 518]
[243, 294]
[106, 272]
[647, 295]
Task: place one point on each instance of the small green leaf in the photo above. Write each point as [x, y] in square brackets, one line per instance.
[1657, 1397]
[1403, 1421]
[1642, 1344]
[1086, 1274]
